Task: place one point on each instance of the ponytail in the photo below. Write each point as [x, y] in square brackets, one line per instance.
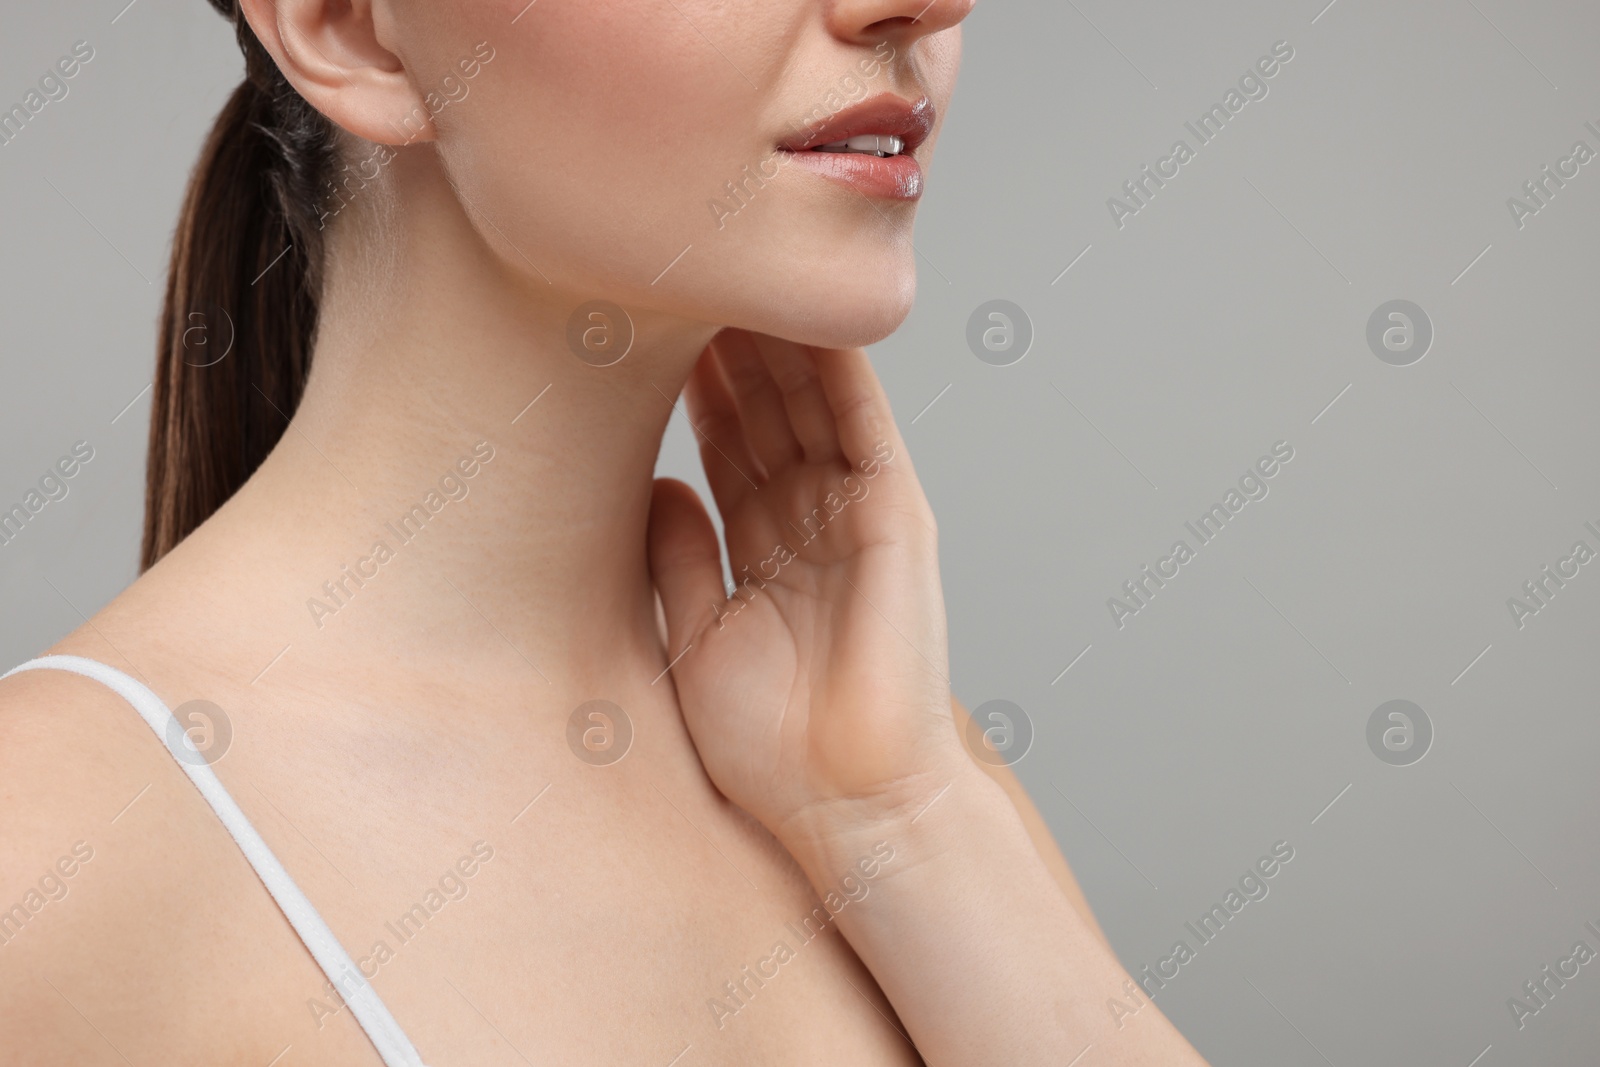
[240, 311]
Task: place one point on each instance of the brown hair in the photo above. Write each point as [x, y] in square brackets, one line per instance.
[246, 267]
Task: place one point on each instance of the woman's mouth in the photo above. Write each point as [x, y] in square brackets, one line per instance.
[872, 144]
[869, 146]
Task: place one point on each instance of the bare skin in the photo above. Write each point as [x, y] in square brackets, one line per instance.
[166, 868]
[372, 778]
[376, 746]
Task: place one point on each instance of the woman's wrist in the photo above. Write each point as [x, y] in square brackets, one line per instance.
[943, 892]
[917, 818]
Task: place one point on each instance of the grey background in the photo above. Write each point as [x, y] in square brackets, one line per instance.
[1222, 318]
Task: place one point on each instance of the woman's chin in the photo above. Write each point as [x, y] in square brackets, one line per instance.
[846, 315]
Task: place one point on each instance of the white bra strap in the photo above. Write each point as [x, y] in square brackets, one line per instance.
[390, 1041]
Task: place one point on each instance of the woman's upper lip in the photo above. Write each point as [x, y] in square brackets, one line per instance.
[886, 113]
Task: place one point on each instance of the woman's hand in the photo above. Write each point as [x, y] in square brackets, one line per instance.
[818, 699]
[819, 691]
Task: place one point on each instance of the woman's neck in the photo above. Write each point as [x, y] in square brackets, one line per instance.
[506, 479]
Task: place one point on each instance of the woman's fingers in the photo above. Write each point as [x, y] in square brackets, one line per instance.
[858, 404]
[869, 439]
[794, 369]
[685, 561]
[730, 469]
[760, 403]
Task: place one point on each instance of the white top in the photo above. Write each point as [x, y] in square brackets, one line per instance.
[387, 1037]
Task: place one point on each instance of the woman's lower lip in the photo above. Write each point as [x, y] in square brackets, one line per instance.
[889, 177]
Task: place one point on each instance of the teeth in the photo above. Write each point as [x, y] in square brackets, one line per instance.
[877, 144]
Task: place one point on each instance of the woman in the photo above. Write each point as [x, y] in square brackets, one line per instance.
[526, 780]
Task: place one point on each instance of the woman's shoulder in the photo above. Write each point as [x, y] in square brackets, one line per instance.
[75, 761]
[70, 774]
[81, 769]
[63, 751]
[121, 894]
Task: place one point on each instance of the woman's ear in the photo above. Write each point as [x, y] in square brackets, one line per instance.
[333, 53]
